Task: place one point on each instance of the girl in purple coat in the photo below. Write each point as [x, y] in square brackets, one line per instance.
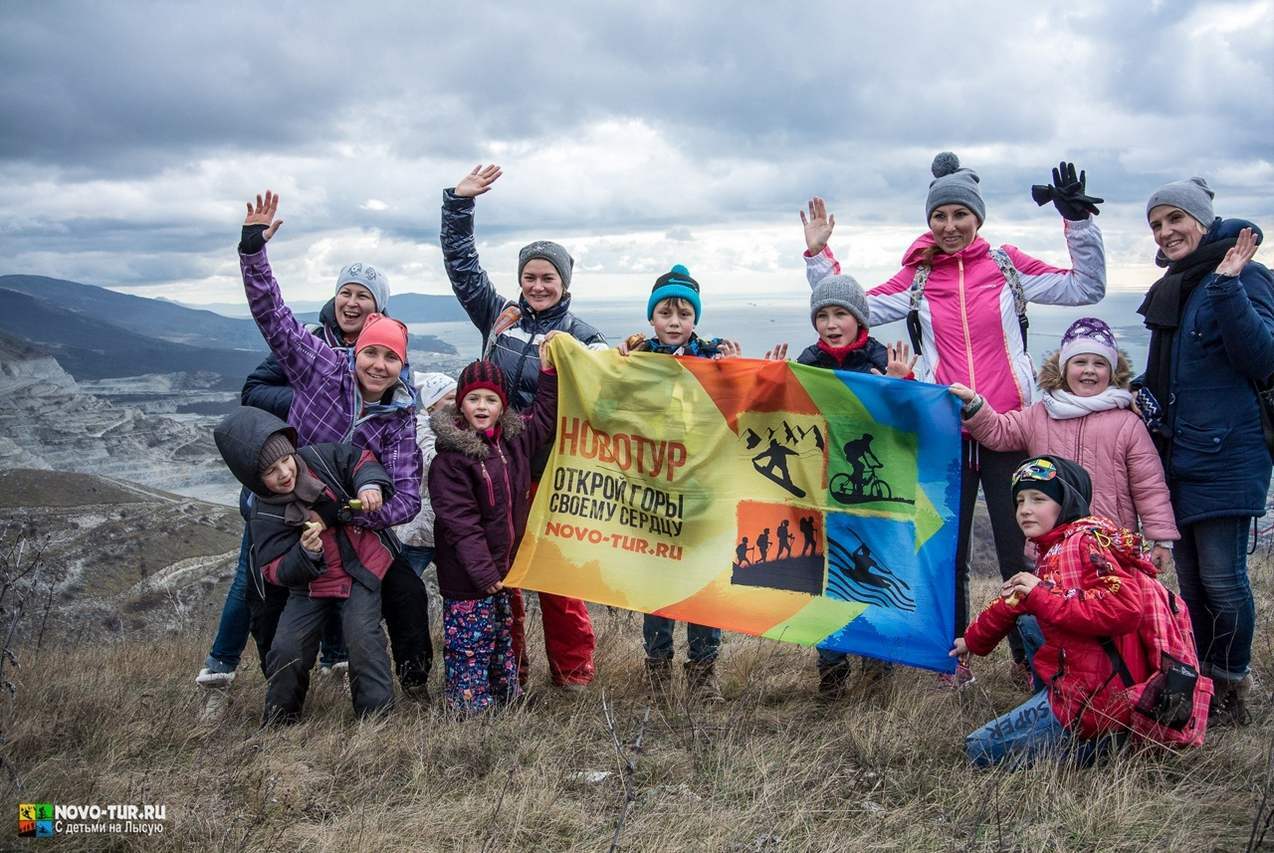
[480, 488]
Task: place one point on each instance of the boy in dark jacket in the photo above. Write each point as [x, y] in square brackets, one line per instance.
[673, 311]
[480, 486]
[300, 540]
[838, 310]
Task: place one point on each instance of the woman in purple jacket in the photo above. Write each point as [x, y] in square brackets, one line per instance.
[364, 400]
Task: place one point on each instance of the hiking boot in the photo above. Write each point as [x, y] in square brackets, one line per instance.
[833, 680]
[701, 681]
[875, 673]
[958, 680]
[1229, 705]
[659, 677]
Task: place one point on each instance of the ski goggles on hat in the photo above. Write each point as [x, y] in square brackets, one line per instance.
[1035, 469]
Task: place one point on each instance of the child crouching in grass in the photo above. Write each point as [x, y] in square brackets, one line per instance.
[673, 311]
[301, 540]
[479, 486]
[1087, 617]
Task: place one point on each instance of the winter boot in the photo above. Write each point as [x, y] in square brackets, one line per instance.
[659, 677]
[701, 681]
[876, 673]
[1230, 701]
[833, 680]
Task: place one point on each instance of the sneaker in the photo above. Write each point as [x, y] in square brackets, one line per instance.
[215, 673]
[958, 680]
[208, 678]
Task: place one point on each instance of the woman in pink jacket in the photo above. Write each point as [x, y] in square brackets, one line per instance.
[1086, 415]
[965, 305]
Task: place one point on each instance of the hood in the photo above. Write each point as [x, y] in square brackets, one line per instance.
[452, 433]
[914, 254]
[240, 436]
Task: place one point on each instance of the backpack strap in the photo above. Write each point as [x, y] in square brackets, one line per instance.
[1014, 280]
[913, 314]
[1116, 661]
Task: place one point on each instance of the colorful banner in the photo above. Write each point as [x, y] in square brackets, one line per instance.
[771, 498]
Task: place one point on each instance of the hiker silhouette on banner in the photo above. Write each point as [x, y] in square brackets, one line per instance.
[785, 540]
[763, 544]
[806, 524]
[862, 461]
[741, 553]
[774, 459]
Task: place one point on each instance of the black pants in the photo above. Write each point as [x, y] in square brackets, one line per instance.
[404, 603]
[994, 471]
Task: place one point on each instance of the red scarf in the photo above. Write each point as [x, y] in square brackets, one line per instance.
[839, 354]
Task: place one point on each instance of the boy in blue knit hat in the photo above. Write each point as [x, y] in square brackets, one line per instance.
[673, 310]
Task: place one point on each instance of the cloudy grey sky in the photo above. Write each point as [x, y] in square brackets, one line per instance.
[639, 136]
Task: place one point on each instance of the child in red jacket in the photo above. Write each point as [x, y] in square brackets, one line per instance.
[1085, 590]
[480, 488]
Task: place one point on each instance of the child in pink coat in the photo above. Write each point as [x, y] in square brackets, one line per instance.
[1086, 415]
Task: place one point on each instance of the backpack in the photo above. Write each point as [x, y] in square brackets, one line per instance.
[1011, 277]
[1170, 707]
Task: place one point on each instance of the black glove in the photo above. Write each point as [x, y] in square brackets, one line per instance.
[251, 241]
[1067, 194]
[333, 514]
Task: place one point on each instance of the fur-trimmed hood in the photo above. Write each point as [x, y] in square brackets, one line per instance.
[1051, 378]
[453, 433]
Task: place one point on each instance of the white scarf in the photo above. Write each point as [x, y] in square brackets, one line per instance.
[1062, 405]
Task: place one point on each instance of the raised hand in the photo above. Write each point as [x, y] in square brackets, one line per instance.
[1240, 253]
[730, 349]
[263, 214]
[900, 361]
[1068, 193]
[818, 225]
[478, 181]
[778, 352]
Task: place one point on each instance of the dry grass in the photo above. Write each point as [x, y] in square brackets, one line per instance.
[773, 768]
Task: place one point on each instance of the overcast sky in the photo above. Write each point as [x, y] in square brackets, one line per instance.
[660, 133]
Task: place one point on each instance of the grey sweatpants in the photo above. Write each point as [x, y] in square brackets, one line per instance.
[296, 644]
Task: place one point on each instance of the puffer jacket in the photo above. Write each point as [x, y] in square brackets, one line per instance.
[480, 488]
[420, 530]
[512, 344]
[968, 320]
[1217, 463]
[349, 553]
[267, 387]
[327, 406]
[1089, 589]
[1113, 446]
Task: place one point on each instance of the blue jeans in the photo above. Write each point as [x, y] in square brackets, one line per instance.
[1212, 572]
[418, 557]
[657, 632]
[232, 631]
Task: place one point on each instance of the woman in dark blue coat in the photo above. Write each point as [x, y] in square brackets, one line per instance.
[1211, 319]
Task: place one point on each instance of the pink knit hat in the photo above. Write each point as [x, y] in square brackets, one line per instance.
[1089, 336]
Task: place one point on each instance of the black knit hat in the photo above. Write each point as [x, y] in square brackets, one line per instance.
[1061, 479]
[482, 374]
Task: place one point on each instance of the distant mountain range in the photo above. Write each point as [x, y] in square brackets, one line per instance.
[408, 307]
[95, 333]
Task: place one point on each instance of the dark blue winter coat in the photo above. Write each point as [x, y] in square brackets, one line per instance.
[267, 387]
[516, 348]
[1218, 464]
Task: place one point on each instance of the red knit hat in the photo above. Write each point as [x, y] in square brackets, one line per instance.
[387, 332]
[482, 374]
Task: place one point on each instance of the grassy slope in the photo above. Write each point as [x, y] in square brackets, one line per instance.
[773, 768]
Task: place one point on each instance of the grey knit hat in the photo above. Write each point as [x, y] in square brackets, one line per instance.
[1193, 196]
[547, 250]
[953, 185]
[275, 448]
[369, 277]
[840, 290]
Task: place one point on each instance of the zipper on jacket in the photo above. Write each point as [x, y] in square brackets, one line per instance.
[508, 511]
[964, 322]
[490, 485]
